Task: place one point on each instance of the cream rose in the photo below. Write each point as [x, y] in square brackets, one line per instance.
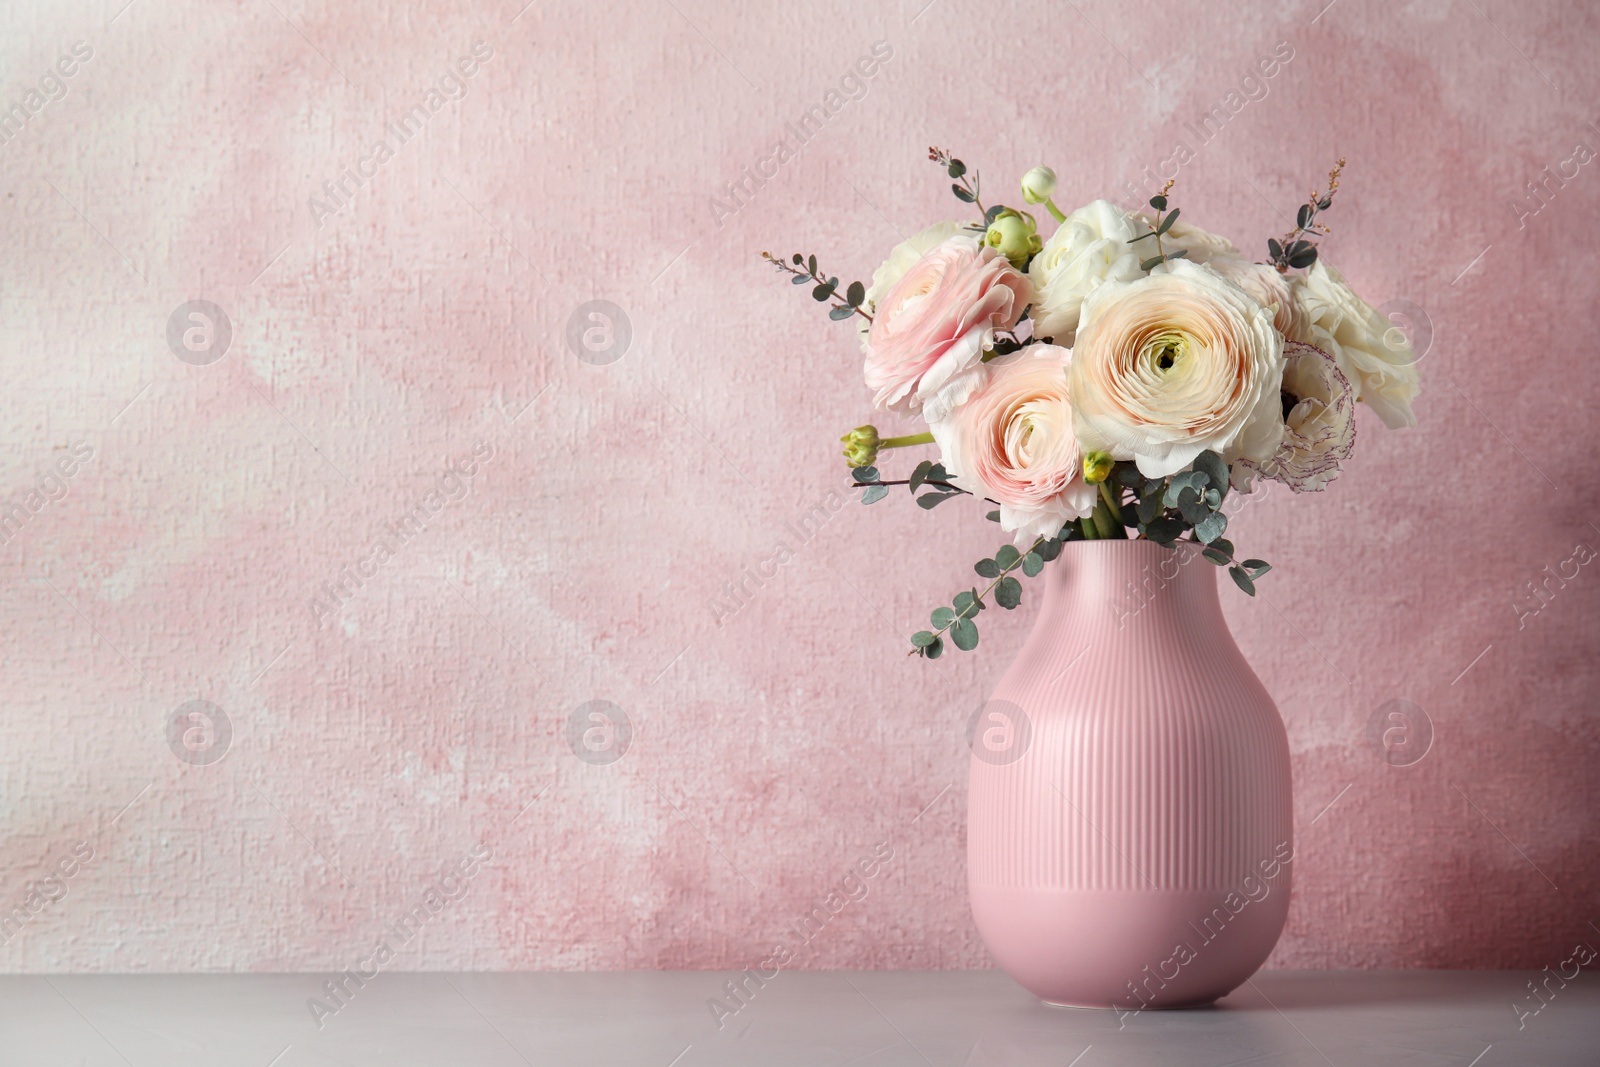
[1374, 355]
[1319, 424]
[1013, 442]
[929, 332]
[1173, 364]
[1089, 248]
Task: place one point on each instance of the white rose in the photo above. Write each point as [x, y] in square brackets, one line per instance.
[1173, 364]
[903, 258]
[1319, 427]
[1374, 355]
[1089, 248]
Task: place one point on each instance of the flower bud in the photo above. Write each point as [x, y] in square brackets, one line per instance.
[1038, 185]
[1013, 234]
[1097, 467]
[861, 446]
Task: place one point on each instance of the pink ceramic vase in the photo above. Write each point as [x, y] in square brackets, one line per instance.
[1129, 815]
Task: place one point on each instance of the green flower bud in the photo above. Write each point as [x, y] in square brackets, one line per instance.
[1014, 235]
[1097, 467]
[861, 446]
[1038, 185]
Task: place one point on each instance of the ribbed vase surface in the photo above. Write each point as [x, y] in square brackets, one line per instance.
[1129, 832]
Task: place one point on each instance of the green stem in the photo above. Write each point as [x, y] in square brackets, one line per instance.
[1090, 532]
[1051, 204]
[1105, 494]
[1102, 523]
[902, 442]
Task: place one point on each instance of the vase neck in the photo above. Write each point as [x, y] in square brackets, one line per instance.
[1111, 586]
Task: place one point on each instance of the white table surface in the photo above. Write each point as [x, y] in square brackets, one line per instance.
[661, 1019]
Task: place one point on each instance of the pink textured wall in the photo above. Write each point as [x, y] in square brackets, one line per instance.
[423, 323]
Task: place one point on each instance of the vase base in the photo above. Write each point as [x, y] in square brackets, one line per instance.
[1186, 1006]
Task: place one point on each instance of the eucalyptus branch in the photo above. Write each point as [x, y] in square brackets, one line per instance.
[966, 191]
[968, 604]
[1161, 225]
[826, 288]
[1293, 251]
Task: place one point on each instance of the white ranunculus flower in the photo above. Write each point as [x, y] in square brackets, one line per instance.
[1271, 290]
[1089, 248]
[903, 258]
[1319, 424]
[1173, 364]
[1374, 355]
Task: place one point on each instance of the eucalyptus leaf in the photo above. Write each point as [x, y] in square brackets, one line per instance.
[855, 294]
[841, 312]
[993, 516]
[1242, 580]
[965, 634]
[937, 473]
[874, 494]
[920, 475]
[1164, 531]
[865, 475]
[1166, 223]
[1194, 480]
[931, 500]
[1152, 262]
[961, 194]
[1008, 592]
[1211, 527]
[1216, 556]
[923, 638]
[1049, 549]
[987, 568]
[1007, 557]
[956, 168]
[935, 649]
[1216, 472]
[966, 605]
[1032, 564]
[799, 279]
[942, 618]
[822, 292]
[1193, 508]
[1158, 202]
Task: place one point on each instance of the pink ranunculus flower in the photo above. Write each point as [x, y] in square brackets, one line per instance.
[1013, 442]
[929, 332]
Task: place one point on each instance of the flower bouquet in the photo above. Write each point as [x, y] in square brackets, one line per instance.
[1120, 378]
